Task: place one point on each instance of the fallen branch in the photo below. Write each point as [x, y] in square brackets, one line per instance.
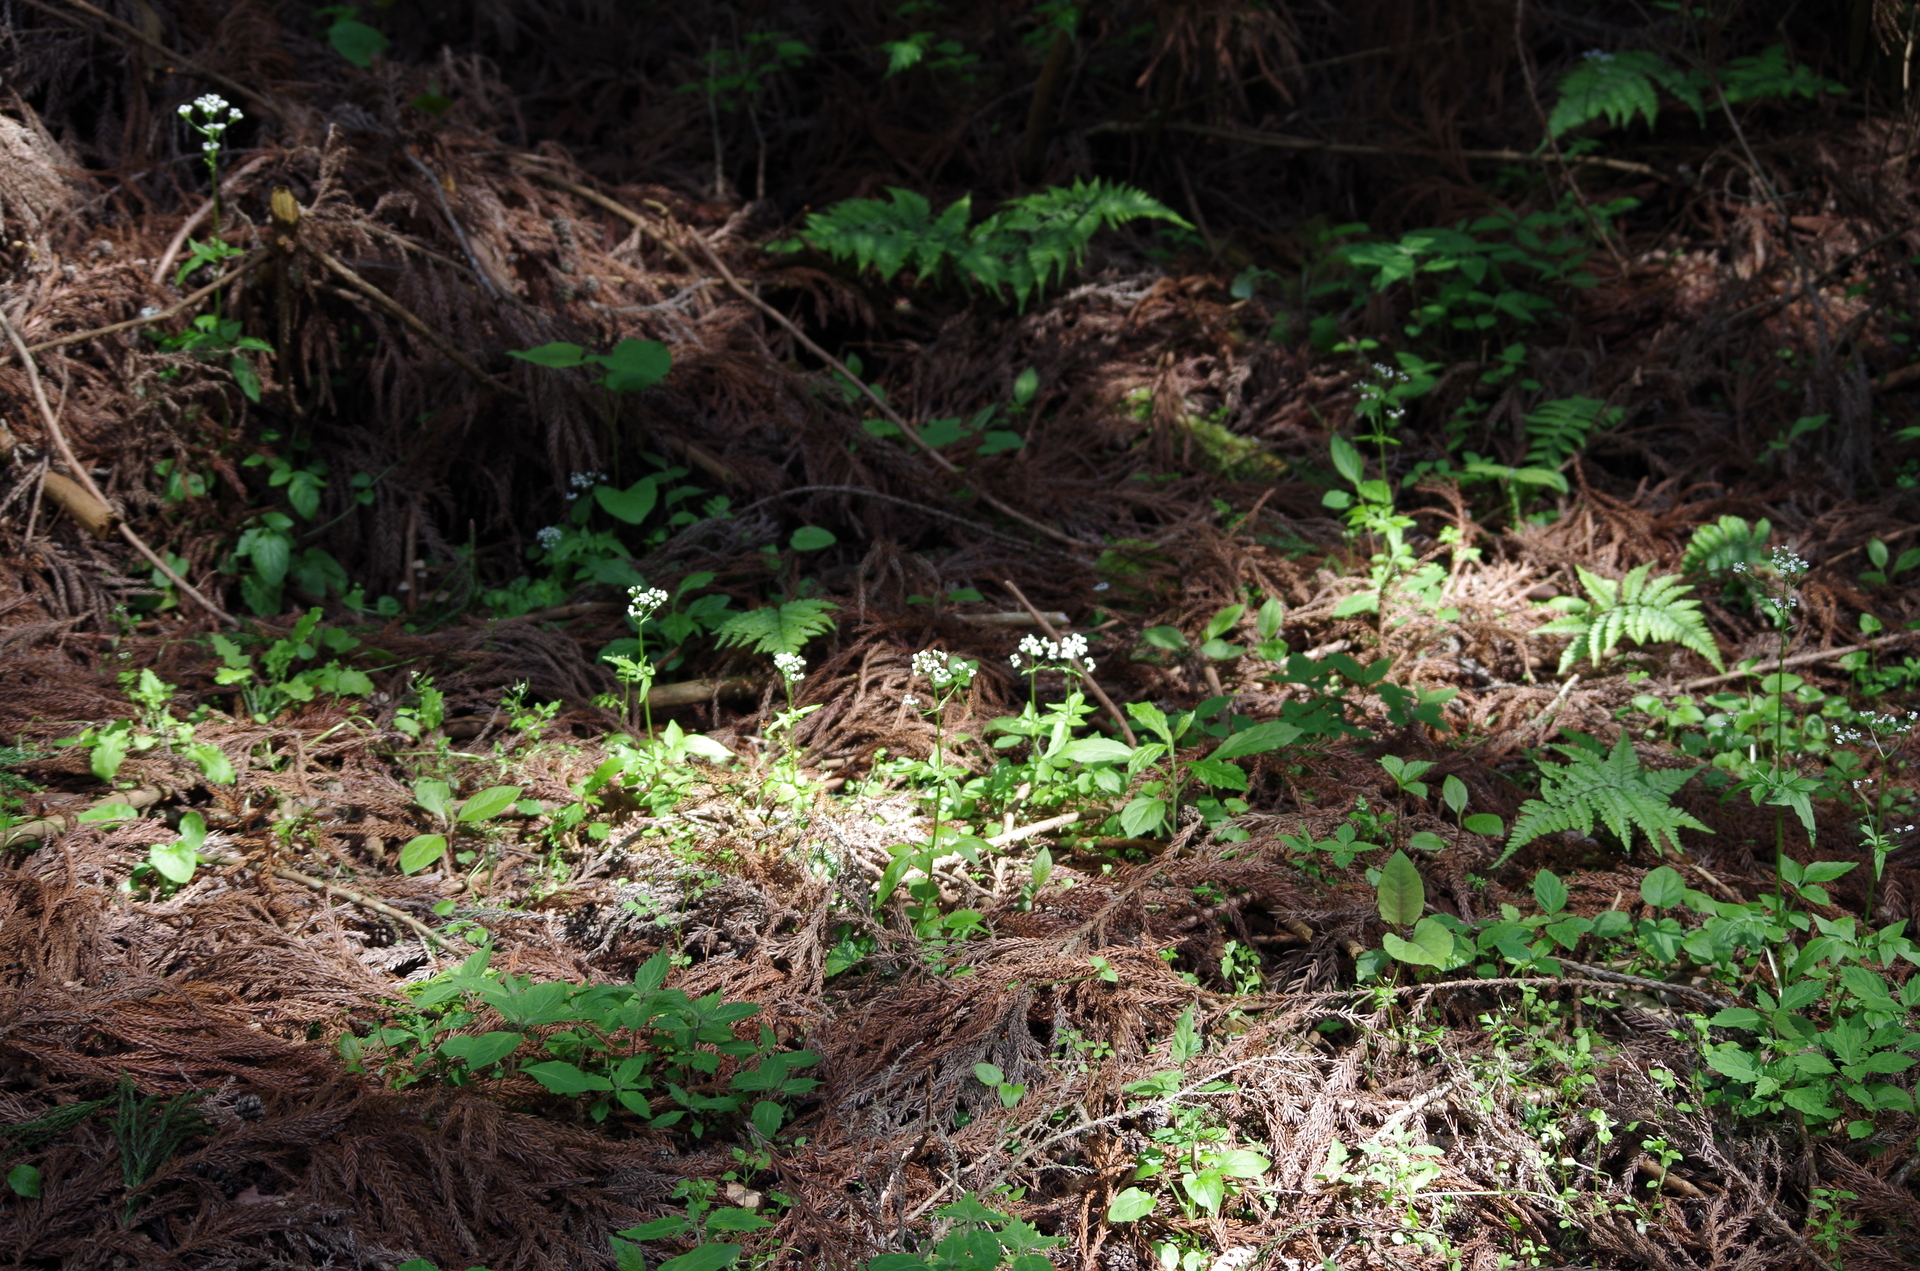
[46, 827]
[348, 894]
[1038, 827]
[1279, 141]
[413, 322]
[85, 478]
[158, 315]
[787, 324]
[1802, 659]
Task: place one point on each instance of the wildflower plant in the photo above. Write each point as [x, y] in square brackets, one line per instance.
[210, 116]
[636, 673]
[1779, 785]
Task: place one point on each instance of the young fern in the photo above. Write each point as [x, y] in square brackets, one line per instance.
[1558, 430]
[1636, 608]
[1618, 86]
[1718, 546]
[1025, 246]
[777, 628]
[1612, 789]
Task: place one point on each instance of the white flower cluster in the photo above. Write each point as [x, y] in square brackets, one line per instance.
[942, 669]
[792, 667]
[641, 603]
[1597, 55]
[1071, 651]
[548, 536]
[215, 116]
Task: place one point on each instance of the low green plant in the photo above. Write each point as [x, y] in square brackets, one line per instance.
[650, 1050]
[1618, 87]
[1610, 787]
[777, 628]
[1025, 246]
[1637, 608]
[436, 798]
[271, 686]
[148, 1130]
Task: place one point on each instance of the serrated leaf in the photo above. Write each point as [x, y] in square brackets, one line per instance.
[1549, 892]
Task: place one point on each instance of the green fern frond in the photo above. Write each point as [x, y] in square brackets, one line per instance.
[777, 628]
[1618, 86]
[1030, 243]
[1636, 609]
[1559, 430]
[1612, 789]
[1717, 547]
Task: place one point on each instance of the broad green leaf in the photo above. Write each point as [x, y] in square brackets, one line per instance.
[1401, 893]
[1221, 776]
[1186, 1041]
[1549, 891]
[1453, 792]
[356, 41]
[734, 1219]
[706, 1257]
[482, 1051]
[1096, 750]
[1346, 460]
[106, 812]
[659, 1229]
[488, 804]
[1484, 823]
[633, 504]
[175, 862]
[559, 354]
[421, 851]
[1257, 740]
[767, 1117]
[213, 762]
[633, 365]
[811, 538]
[24, 1180]
[562, 1078]
[1207, 1188]
[1143, 816]
[1663, 888]
[989, 1074]
[1426, 841]
[434, 796]
[1168, 638]
[1242, 1163]
[1733, 1061]
[1130, 1205]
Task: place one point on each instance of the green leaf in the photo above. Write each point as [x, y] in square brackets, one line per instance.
[421, 851]
[559, 355]
[1186, 1041]
[356, 41]
[1096, 750]
[175, 862]
[108, 812]
[24, 1180]
[999, 441]
[1168, 638]
[562, 1078]
[1432, 944]
[488, 804]
[1257, 740]
[1733, 1061]
[633, 365]
[989, 1074]
[734, 1219]
[633, 504]
[482, 1051]
[1663, 888]
[706, 1257]
[1483, 823]
[434, 796]
[1239, 1162]
[1401, 893]
[1025, 385]
[1221, 776]
[1346, 460]
[1453, 792]
[811, 538]
[659, 1229]
[767, 1117]
[213, 762]
[1549, 891]
[1736, 1017]
[1130, 1205]
[1142, 816]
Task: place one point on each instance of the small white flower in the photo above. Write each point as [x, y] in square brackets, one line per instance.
[147, 311]
[186, 108]
[1014, 660]
[549, 537]
[642, 601]
[1100, 586]
[909, 700]
[792, 667]
[1597, 55]
[586, 480]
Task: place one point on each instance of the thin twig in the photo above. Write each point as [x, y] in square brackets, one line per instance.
[787, 324]
[159, 315]
[413, 322]
[1038, 827]
[1801, 659]
[175, 60]
[361, 899]
[486, 278]
[1280, 142]
[85, 478]
[1041, 620]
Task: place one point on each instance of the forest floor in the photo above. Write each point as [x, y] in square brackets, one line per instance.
[1064, 794]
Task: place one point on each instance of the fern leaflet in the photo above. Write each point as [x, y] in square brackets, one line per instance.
[1028, 244]
[1618, 86]
[1717, 547]
[1636, 608]
[1558, 430]
[1612, 789]
[777, 628]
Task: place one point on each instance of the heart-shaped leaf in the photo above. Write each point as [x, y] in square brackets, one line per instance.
[633, 504]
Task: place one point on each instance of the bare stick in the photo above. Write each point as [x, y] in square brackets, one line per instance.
[159, 315]
[1041, 620]
[1038, 827]
[85, 478]
[785, 323]
[1802, 659]
[413, 322]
